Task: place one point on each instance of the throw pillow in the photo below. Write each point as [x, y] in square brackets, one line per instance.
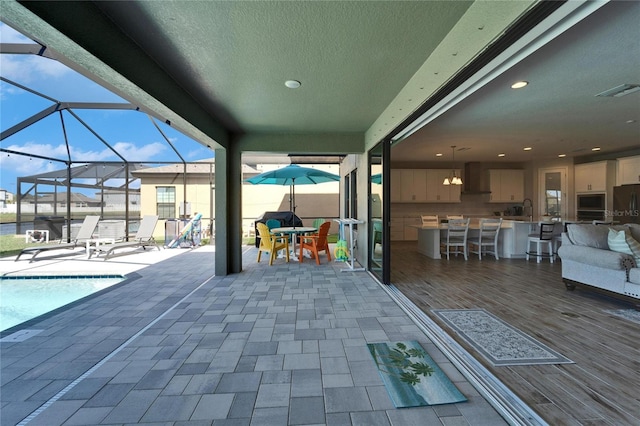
[622, 242]
[588, 235]
[634, 246]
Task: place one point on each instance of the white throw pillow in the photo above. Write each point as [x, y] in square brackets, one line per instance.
[623, 242]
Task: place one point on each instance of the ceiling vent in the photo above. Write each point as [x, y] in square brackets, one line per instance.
[616, 92]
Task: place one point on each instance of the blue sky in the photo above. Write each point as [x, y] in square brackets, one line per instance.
[131, 133]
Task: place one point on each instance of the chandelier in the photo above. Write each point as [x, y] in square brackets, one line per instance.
[453, 179]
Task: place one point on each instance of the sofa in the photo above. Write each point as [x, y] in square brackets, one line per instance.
[588, 259]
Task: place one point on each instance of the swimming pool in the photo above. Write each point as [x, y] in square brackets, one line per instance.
[27, 297]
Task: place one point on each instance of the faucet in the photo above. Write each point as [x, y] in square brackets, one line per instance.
[528, 208]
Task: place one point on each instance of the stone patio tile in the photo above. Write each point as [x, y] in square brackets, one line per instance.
[269, 362]
[277, 416]
[334, 365]
[260, 348]
[301, 361]
[273, 395]
[306, 383]
[274, 377]
[155, 379]
[202, 384]
[331, 348]
[242, 405]
[292, 347]
[211, 407]
[306, 411]
[132, 407]
[88, 416]
[372, 418]
[56, 414]
[346, 400]
[110, 395]
[379, 397]
[239, 382]
[337, 380]
[171, 408]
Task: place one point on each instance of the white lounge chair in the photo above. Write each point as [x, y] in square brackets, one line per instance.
[84, 233]
[143, 238]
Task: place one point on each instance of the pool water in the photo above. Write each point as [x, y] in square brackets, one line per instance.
[24, 298]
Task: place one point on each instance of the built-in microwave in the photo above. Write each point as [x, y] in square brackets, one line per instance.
[592, 201]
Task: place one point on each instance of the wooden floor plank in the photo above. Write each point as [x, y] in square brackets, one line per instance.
[602, 387]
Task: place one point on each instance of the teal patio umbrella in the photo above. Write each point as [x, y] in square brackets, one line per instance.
[293, 175]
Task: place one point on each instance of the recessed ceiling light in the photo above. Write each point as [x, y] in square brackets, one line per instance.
[292, 84]
[527, 148]
[562, 155]
[501, 154]
[519, 84]
[595, 148]
[439, 154]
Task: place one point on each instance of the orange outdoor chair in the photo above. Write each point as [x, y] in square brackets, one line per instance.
[271, 243]
[316, 243]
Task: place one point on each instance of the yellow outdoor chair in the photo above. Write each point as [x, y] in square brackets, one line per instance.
[271, 243]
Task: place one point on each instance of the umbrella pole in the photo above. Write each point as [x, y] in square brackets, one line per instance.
[293, 191]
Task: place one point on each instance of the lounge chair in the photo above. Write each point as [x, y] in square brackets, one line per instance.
[84, 233]
[143, 238]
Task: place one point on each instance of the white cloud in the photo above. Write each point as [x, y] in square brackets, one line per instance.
[24, 165]
[135, 153]
[9, 35]
[28, 69]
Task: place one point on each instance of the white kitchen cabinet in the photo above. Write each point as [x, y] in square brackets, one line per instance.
[506, 185]
[439, 193]
[628, 170]
[396, 185]
[408, 185]
[414, 185]
[594, 177]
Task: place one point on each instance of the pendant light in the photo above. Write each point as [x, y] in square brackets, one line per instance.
[453, 179]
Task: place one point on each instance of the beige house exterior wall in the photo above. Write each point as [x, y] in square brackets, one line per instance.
[313, 201]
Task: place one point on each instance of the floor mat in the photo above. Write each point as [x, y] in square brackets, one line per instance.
[411, 377]
[628, 314]
[500, 343]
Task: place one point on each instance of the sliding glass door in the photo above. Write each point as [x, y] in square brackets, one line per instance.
[378, 246]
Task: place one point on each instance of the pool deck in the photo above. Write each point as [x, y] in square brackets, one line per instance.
[279, 345]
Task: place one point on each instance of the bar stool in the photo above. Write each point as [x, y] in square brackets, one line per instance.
[541, 239]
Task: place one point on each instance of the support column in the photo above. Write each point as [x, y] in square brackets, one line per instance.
[228, 207]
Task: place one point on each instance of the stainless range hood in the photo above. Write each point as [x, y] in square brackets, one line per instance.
[474, 179]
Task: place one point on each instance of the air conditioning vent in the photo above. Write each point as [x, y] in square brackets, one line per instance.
[618, 91]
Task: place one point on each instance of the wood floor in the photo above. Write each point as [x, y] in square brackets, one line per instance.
[601, 388]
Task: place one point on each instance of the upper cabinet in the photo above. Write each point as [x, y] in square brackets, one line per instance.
[594, 177]
[506, 185]
[414, 185]
[439, 193]
[628, 170]
[422, 186]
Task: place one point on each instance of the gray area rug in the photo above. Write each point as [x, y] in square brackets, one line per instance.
[628, 314]
[500, 343]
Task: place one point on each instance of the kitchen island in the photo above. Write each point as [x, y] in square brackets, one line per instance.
[512, 239]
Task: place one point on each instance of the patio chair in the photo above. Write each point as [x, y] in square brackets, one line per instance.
[316, 243]
[271, 243]
[84, 233]
[143, 238]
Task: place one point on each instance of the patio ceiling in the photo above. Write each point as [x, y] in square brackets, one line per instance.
[216, 70]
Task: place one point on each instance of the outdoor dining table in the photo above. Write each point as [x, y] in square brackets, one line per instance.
[294, 231]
